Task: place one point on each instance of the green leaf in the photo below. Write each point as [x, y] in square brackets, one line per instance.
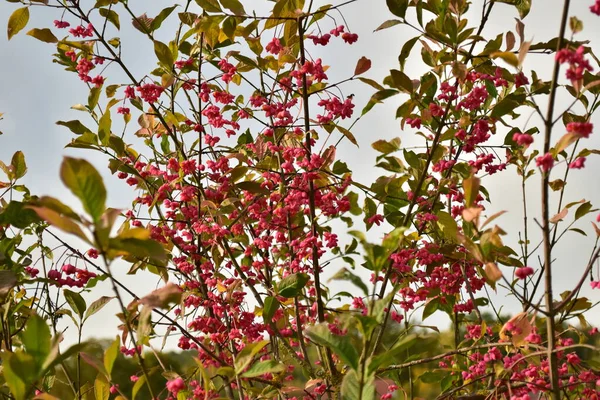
[93, 97]
[234, 6]
[398, 7]
[340, 168]
[19, 370]
[8, 280]
[378, 97]
[209, 5]
[401, 81]
[583, 210]
[140, 248]
[348, 135]
[284, 8]
[17, 21]
[52, 362]
[111, 16]
[86, 184]
[18, 215]
[432, 376]
[354, 388]
[508, 104]
[18, 164]
[36, 338]
[164, 54]
[101, 388]
[387, 147]
[371, 83]
[139, 384]
[76, 302]
[104, 126]
[271, 304]
[164, 14]
[340, 345]
[292, 285]
[431, 307]
[244, 357]
[110, 355]
[144, 326]
[111, 90]
[523, 6]
[392, 240]
[388, 24]
[104, 3]
[406, 49]
[448, 225]
[387, 357]
[252, 187]
[229, 27]
[75, 126]
[263, 367]
[345, 275]
[471, 188]
[97, 306]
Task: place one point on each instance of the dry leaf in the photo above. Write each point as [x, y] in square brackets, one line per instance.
[560, 216]
[472, 213]
[492, 272]
[160, 298]
[596, 229]
[363, 65]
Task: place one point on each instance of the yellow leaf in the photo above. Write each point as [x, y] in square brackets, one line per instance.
[17, 21]
[507, 56]
[565, 141]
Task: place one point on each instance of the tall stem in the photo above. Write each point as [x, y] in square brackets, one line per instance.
[311, 201]
[550, 323]
[127, 323]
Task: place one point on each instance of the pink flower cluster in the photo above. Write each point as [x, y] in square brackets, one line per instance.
[577, 63]
[80, 30]
[150, 92]
[76, 277]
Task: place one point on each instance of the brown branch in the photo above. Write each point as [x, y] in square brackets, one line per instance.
[550, 322]
[312, 209]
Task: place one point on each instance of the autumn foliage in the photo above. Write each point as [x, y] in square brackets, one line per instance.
[244, 206]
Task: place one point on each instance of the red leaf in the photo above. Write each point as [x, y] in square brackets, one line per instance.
[363, 65]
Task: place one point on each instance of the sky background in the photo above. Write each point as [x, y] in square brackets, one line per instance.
[35, 93]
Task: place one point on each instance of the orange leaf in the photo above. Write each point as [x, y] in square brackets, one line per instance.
[596, 229]
[560, 216]
[492, 272]
[516, 329]
[472, 213]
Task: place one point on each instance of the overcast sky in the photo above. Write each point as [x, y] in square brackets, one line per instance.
[35, 93]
